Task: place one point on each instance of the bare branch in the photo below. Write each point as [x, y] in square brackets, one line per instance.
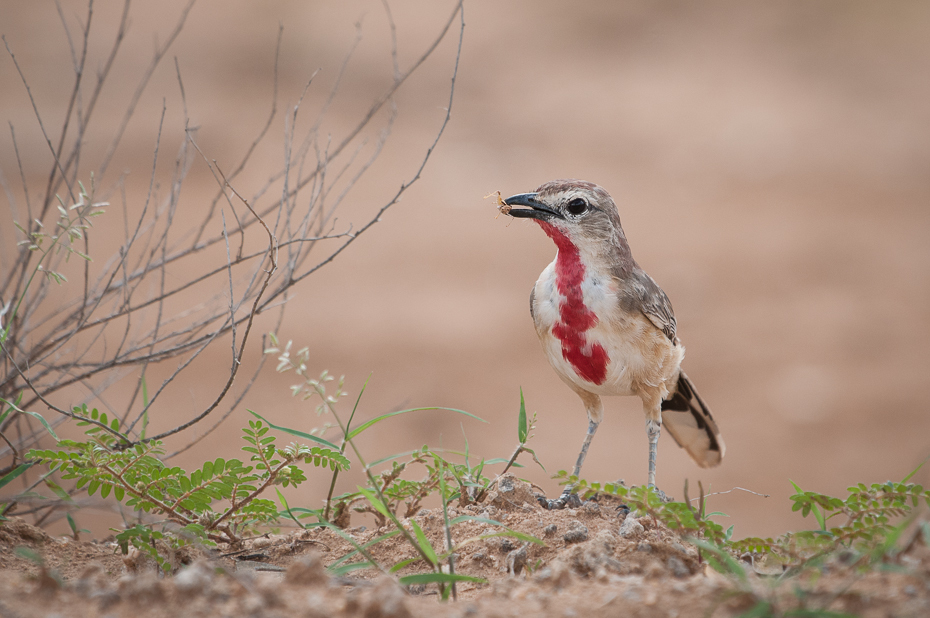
[166, 293]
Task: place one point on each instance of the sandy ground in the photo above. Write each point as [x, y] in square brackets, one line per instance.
[593, 561]
[771, 167]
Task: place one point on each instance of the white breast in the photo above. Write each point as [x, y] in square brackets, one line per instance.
[642, 361]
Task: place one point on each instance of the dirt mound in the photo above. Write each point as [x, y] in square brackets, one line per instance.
[596, 560]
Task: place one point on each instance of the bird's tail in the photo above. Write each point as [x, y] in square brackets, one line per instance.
[688, 419]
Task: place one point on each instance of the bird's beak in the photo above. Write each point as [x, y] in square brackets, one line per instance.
[536, 210]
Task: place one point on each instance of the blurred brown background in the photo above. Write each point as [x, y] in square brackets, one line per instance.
[771, 163]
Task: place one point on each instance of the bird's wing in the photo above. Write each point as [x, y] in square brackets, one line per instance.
[648, 297]
[533, 302]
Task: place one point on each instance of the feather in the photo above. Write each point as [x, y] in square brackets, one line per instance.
[688, 419]
[644, 294]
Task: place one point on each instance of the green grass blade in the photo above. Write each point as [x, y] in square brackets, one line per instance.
[30, 555]
[535, 458]
[522, 428]
[425, 545]
[299, 509]
[465, 437]
[376, 502]
[73, 525]
[4, 414]
[348, 568]
[378, 462]
[354, 408]
[35, 415]
[356, 545]
[288, 508]
[296, 432]
[15, 473]
[447, 529]
[818, 514]
[403, 563]
[57, 490]
[145, 407]
[914, 471]
[374, 541]
[378, 419]
[437, 578]
[721, 560]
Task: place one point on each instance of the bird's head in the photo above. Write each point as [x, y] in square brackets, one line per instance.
[576, 212]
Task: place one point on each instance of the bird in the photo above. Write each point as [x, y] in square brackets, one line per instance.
[606, 326]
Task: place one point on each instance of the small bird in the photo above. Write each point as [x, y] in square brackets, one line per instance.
[606, 327]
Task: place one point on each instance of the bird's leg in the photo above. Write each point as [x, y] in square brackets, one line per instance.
[595, 410]
[653, 428]
[592, 428]
[568, 496]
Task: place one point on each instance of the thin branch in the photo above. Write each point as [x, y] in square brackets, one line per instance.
[125, 285]
[35, 109]
[273, 254]
[50, 405]
[146, 76]
[429, 152]
[258, 139]
[720, 493]
[22, 177]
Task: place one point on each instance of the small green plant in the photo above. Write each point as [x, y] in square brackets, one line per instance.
[869, 513]
[471, 484]
[386, 493]
[404, 497]
[219, 502]
[315, 388]
[681, 516]
[18, 466]
[875, 516]
[524, 433]
[72, 222]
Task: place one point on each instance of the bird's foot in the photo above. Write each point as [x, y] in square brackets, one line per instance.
[566, 500]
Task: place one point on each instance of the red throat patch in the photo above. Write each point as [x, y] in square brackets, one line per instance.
[589, 361]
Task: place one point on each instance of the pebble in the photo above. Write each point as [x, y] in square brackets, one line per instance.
[307, 571]
[507, 545]
[677, 567]
[193, 579]
[577, 532]
[516, 560]
[631, 527]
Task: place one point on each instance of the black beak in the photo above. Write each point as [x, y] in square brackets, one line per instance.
[536, 210]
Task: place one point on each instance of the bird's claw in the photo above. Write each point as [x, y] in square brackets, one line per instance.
[566, 500]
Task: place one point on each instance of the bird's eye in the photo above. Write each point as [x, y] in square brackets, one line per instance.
[577, 206]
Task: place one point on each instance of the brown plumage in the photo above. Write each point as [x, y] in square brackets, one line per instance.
[606, 326]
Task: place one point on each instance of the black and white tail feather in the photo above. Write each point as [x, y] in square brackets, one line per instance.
[688, 419]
